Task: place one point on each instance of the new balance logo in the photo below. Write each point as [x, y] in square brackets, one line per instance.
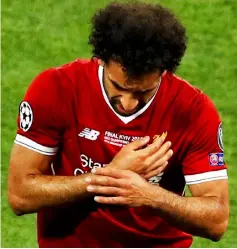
[89, 134]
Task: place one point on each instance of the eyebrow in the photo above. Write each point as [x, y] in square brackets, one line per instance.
[117, 85]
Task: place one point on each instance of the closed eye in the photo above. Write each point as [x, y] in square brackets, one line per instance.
[118, 87]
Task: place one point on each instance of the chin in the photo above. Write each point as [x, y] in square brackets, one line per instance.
[124, 114]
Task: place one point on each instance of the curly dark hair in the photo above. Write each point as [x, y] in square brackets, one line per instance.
[141, 37]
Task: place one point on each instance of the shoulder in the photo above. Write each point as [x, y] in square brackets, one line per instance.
[190, 97]
[184, 90]
[62, 80]
[77, 70]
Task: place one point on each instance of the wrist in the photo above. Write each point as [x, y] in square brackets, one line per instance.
[110, 165]
[152, 195]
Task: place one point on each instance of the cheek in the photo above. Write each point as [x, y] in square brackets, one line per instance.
[147, 97]
[112, 92]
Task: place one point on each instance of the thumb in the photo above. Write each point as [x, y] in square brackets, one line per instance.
[139, 143]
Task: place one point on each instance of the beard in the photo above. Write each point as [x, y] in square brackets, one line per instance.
[118, 107]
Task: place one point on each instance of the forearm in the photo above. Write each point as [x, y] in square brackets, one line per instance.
[200, 216]
[40, 191]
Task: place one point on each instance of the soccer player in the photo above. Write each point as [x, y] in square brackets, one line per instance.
[84, 157]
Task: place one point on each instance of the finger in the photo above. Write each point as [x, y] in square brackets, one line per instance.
[104, 190]
[138, 144]
[111, 172]
[156, 171]
[110, 200]
[106, 181]
[161, 152]
[159, 162]
[154, 147]
[164, 135]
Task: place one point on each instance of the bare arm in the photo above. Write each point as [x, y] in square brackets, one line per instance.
[31, 189]
[205, 214]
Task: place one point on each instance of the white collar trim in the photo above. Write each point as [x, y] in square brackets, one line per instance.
[126, 119]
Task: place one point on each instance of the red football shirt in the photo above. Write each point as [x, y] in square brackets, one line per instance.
[66, 113]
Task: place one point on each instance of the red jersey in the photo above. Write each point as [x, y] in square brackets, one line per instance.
[66, 113]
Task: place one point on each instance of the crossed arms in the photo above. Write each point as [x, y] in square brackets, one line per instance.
[122, 182]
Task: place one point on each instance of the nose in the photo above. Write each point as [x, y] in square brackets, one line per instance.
[129, 102]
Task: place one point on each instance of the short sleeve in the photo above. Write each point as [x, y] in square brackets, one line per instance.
[204, 160]
[41, 115]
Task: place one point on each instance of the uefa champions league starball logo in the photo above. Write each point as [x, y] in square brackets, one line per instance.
[26, 116]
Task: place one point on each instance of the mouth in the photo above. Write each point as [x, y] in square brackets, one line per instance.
[123, 112]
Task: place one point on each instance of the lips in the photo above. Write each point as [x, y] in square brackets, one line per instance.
[123, 111]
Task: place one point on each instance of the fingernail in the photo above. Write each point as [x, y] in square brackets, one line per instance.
[93, 171]
[88, 179]
[96, 198]
[164, 135]
[89, 188]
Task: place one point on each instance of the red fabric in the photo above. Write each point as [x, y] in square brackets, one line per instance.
[68, 99]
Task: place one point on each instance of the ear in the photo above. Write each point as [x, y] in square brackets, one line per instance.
[101, 62]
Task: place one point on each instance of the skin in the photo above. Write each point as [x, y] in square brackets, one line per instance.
[123, 181]
[204, 214]
[126, 95]
[31, 187]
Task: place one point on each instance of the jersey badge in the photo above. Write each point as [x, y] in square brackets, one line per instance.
[216, 159]
[26, 116]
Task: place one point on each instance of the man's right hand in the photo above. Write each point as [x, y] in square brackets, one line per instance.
[148, 161]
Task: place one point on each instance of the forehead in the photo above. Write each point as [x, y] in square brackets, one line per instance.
[116, 73]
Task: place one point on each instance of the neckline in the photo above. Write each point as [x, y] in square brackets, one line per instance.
[130, 118]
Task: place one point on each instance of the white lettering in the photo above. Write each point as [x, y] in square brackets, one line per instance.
[84, 160]
[111, 134]
[78, 171]
[124, 137]
[87, 162]
[135, 138]
[156, 179]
